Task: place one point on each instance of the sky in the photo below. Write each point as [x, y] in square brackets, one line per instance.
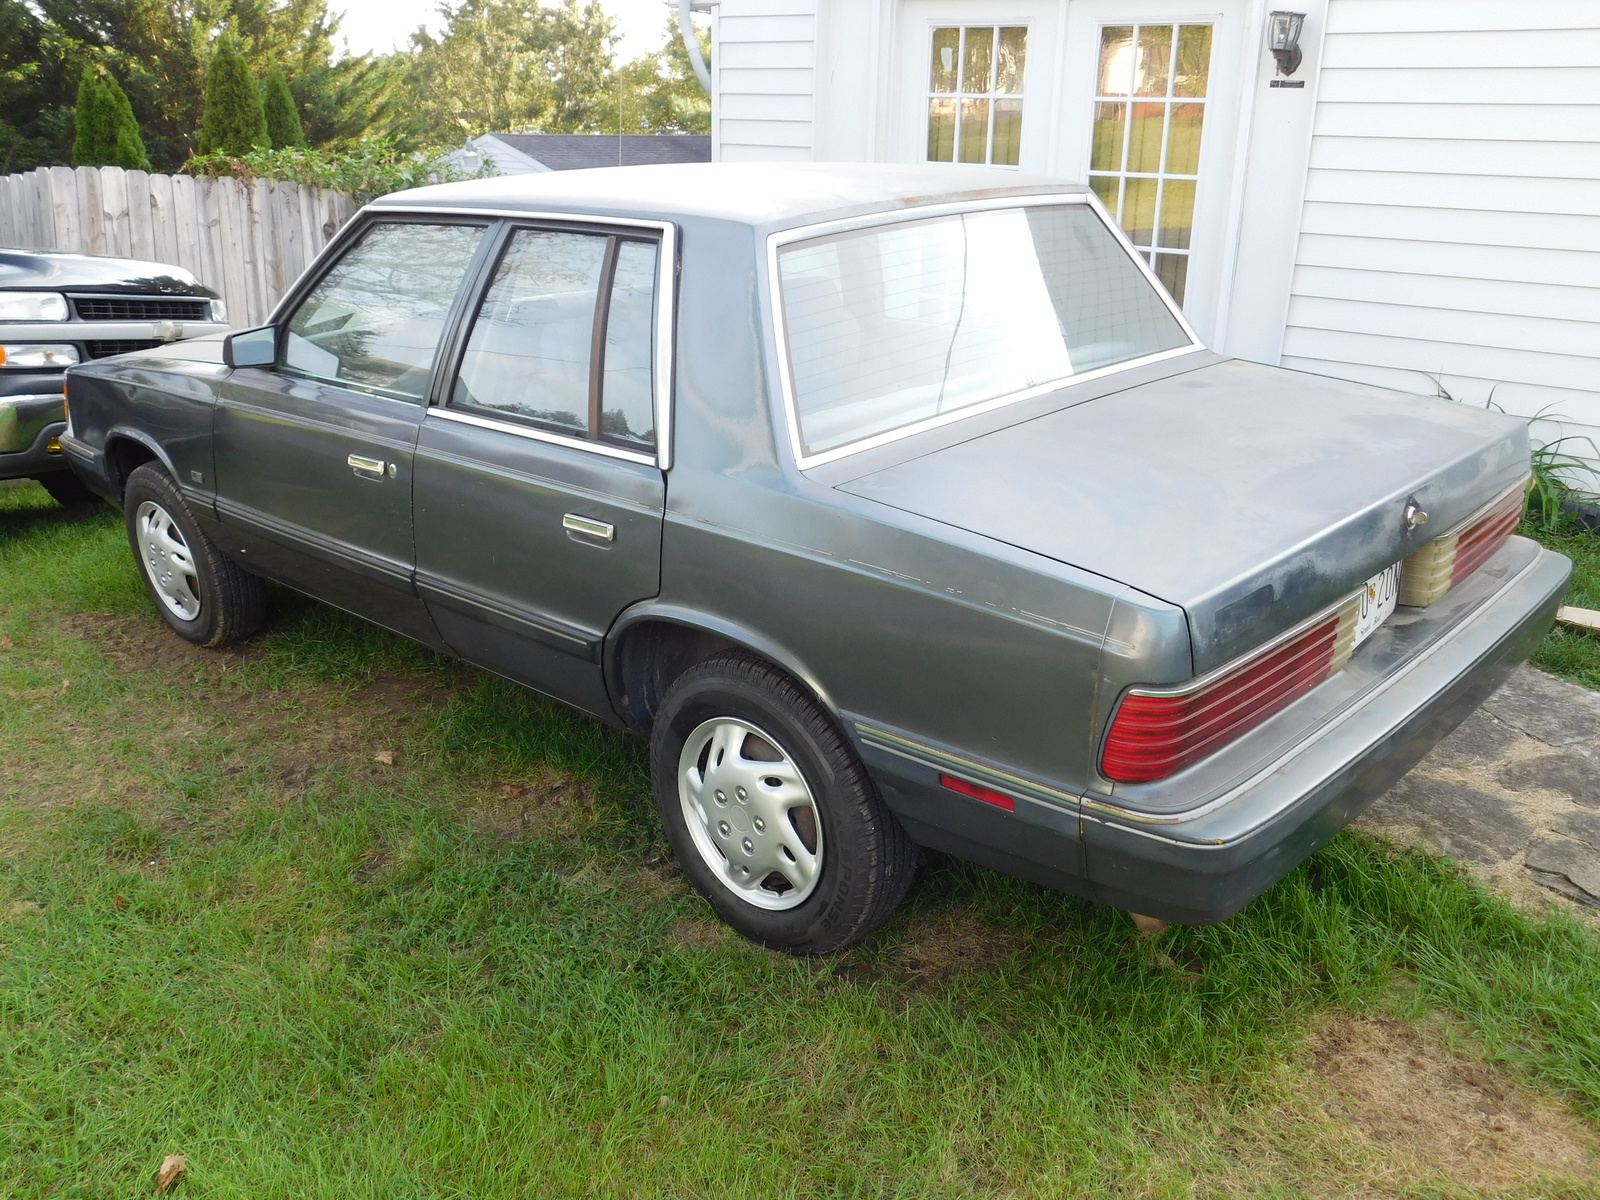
[378, 26]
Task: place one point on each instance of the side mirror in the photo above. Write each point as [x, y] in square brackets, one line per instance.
[251, 347]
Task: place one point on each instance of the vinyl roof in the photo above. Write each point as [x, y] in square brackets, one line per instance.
[762, 194]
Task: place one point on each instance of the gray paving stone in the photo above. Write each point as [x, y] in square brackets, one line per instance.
[1481, 738]
[1462, 822]
[1572, 774]
[1579, 865]
[1584, 826]
[1554, 711]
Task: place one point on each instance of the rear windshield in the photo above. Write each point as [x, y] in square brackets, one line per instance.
[893, 325]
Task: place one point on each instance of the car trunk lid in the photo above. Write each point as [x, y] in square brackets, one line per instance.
[1250, 496]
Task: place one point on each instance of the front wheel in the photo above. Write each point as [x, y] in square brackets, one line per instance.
[771, 813]
[202, 595]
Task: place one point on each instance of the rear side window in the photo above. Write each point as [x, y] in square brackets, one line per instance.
[375, 319]
[565, 338]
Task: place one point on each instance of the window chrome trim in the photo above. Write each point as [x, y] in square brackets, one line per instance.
[666, 310]
[805, 233]
[539, 435]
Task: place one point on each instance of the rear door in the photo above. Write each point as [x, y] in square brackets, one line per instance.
[540, 476]
[314, 455]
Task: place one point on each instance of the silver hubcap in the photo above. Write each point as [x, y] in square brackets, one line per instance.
[750, 813]
[167, 561]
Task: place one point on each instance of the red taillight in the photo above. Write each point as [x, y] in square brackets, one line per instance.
[978, 792]
[1154, 735]
[1478, 542]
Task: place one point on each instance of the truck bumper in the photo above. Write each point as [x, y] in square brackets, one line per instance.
[30, 421]
[1415, 681]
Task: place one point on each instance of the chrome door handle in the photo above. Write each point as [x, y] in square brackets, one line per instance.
[600, 531]
[370, 468]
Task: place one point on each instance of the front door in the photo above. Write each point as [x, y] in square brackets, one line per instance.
[539, 494]
[314, 455]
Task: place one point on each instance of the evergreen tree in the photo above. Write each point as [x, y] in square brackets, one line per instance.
[234, 121]
[127, 144]
[283, 119]
[95, 119]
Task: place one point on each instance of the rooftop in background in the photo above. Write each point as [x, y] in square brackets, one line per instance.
[522, 153]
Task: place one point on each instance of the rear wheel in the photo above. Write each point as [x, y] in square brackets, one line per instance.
[67, 490]
[771, 813]
[205, 597]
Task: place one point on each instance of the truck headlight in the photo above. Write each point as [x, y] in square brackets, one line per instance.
[33, 306]
[38, 358]
[219, 312]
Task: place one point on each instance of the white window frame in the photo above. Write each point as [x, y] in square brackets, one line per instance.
[780, 341]
[992, 96]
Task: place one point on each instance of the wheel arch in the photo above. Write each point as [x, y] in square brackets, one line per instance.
[652, 644]
[129, 449]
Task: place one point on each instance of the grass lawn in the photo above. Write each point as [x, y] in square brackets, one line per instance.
[1572, 653]
[334, 917]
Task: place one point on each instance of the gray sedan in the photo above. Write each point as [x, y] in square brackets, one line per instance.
[896, 506]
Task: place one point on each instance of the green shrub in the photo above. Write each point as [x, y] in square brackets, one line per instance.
[107, 131]
[234, 121]
[374, 167]
[94, 117]
[283, 119]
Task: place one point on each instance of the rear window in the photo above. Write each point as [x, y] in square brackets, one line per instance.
[894, 325]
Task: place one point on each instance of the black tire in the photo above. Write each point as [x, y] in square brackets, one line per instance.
[229, 602]
[67, 490]
[867, 860]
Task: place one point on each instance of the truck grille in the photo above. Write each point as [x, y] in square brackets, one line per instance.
[140, 308]
[105, 348]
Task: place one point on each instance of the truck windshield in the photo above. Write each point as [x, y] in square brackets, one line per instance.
[894, 325]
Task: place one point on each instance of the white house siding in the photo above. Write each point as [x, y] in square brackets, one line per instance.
[765, 64]
[1451, 224]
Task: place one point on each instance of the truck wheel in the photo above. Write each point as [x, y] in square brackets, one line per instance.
[204, 596]
[67, 490]
[771, 813]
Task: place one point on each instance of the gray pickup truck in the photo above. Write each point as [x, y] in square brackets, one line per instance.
[58, 310]
[896, 505]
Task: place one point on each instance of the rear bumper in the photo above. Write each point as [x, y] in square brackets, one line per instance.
[1204, 863]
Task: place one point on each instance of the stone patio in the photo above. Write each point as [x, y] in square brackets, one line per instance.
[1514, 793]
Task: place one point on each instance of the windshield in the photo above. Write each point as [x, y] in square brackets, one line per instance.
[897, 324]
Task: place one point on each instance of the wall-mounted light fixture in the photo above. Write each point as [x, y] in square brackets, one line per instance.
[1283, 39]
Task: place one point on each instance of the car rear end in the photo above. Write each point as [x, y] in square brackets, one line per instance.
[1314, 581]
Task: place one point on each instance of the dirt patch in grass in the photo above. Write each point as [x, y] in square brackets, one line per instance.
[138, 644]
[542, 803]
[933, 949]
[1431, 1112]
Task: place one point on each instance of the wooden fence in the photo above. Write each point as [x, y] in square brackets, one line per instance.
[247, 239]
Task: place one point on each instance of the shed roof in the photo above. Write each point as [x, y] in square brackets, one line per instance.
[764, 194]
[576, 151]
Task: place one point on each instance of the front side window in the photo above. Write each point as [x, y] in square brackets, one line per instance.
[375, 319]
[975, 94]
[894, 325]
[564, 339]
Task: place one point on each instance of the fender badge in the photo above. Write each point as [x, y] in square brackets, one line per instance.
[1415, 515]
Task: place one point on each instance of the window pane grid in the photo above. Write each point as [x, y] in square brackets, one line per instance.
[975, 96]
[1144, 154]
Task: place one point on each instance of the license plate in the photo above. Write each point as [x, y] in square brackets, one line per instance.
[1378, 600]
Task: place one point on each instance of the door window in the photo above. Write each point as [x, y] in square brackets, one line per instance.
[565, 338]
[375, 319]
[1144, 160]
[975, 94]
